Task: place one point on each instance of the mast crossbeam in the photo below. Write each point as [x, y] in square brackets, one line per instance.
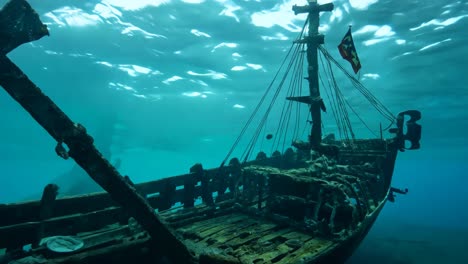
[312, 8]
[317, 40]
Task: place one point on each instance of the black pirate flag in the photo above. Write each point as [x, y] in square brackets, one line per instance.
[348, 51]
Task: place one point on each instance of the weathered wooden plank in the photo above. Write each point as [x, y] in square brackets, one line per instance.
[307, 251]
[296, 235]
[25, 233]
[211, 258]
[273, 247]
[195, 231]
[108, 228]
[125, 252]
[19, 212]
[220, 228]
[271, 256]
[108, 237]
[28, 211]
[209, 223]
[251, 235]
[229, 232]
[177, 220]
[273, 235]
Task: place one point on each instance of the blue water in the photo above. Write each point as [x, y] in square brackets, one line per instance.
[162, 85]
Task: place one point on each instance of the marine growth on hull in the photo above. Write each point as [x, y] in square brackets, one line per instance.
[325, 198]
[290, 208]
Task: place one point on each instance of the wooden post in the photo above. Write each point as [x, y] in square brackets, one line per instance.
[221, 182]
[189, 186]
[260, 186]
[167, 196]
[46, 209]
[19, 24]
[200, 175]
[235, 177]
[207, 195]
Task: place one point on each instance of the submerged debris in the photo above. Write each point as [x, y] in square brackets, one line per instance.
[326, 198]
[62, 244]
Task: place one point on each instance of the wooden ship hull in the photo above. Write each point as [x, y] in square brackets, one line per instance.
[252, 213]
[308, 205]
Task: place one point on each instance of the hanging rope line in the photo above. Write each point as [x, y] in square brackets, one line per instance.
[289, 127]
[295, 85]
[254, 113]
[252, 142]
[342, 116]
[360, 87]
[331, 99]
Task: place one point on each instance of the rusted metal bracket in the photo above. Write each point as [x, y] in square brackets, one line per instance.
[393, 190]
[413, 130]
[20, 24]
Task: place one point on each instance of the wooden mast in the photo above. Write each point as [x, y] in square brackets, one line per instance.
[313, 40]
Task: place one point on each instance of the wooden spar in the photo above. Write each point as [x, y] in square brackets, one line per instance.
[313, 41]
[20, 24]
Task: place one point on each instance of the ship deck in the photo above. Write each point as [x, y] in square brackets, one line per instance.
[251, 239]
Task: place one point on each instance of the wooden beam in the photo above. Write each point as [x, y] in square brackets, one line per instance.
[19, 24]
[125, 252]
[28, 211]
[25, 233]
[21, 234]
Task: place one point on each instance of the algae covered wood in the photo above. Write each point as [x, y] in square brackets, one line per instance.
[249, 239]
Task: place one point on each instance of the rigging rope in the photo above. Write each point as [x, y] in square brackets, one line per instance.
[295, 84]
[341, 106]
[252, 142]
[338, 102]
[361, 88]
[254, 113]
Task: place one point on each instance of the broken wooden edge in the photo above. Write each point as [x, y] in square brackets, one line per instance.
[19, 24]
